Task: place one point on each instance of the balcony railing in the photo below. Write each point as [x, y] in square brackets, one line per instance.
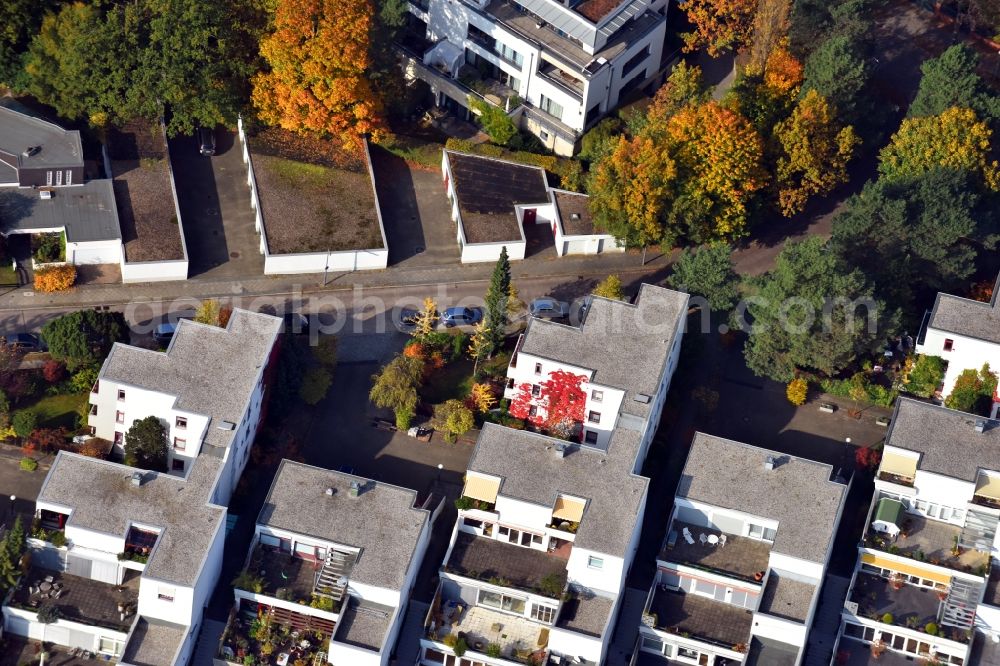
[898, 479]
[562, 80]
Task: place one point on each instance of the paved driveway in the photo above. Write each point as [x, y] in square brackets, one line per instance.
[215, 207]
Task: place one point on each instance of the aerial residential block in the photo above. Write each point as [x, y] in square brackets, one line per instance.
[747, 548]
[963, 332]
[334, 559]
[125, 560]
[547, 528]
[926, 585]
[555, 67]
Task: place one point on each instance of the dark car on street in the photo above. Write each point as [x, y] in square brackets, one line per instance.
[462, 316]
[206, 141]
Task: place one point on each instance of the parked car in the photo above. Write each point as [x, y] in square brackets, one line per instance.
[164, 333]
[28, 342]
[405, 320]
[462, 316]
[206, 141]
[296, 323]
[548, 308]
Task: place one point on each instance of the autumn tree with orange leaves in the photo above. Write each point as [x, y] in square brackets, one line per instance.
[719, 24]
[319, 58]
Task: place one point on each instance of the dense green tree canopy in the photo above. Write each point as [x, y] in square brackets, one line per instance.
[19, 21]
[951, 80]
[811, 313]
[707, 272]
[146, 444]
[837, 71]
[85, 337]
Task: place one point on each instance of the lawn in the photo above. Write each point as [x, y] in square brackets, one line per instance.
[416, 150]
[8, 276]
[56, 411]
[452, 381]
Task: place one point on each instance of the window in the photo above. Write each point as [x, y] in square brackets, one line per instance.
[180, 444]
[48, 177]
[538, 368]
[594, 417]
[590, 437]
[635, 61]
[550, 107]
[119, 437]
[652, 643]
[121, 394]
[59, 175]
[761, 532]
[546, 614]
[543, 135]
[177, 465]
[597, 396]
[509, 54]
[69, 177]
[595, 562]
[165, 594]
[119, 417]
[504, 602]
[110, 645]
[181, 423]
[533, 411]
[536, 390]
[433, 656]
[949, 344]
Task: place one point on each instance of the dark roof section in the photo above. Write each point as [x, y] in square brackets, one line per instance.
[946, 439]
[19, 130]
[963, 316]
[488, 189]
[87, 212]
[595, 10]
[574, 213]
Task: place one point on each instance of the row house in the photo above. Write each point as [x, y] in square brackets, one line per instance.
[924, 586]
[334, 556]
[555, 67]
[741, 568]
[124, 560]
[536, 565]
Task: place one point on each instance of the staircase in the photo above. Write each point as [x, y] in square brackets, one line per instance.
[331, 580]
[960, 606]
[978, 531]
[208, 641]
[826, 623]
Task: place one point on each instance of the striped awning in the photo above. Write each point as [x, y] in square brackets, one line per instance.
[988, 486]
[898, 464]
[568, 509]
[481, 488]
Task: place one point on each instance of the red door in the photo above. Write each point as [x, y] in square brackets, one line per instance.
[529, 215]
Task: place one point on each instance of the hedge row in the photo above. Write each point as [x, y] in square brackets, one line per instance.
[569, 172]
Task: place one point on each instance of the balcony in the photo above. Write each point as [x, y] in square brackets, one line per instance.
[741, 557]
[507, 565]
[563, 80]
[489, 88]
[79, 599]
[487, 631]
[930, 541]
[909, 606]
[298, 636]
[279, 574]
[701, 618]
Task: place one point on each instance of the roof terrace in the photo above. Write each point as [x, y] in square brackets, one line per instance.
[701, 618]
[739, 557]
[279, 574]
[907, 605]
[517, 636]
[932, 541]
[79, 599]
[507, 565]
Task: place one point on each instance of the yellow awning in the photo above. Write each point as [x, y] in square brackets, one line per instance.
[481, 488]
[912, 569]
[568, 509]
[988, 486]
[898, 464]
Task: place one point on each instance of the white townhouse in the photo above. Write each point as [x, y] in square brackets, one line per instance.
[963, 332]
[926, 582]
[555, 67]
[335, 554]
[207, 389]
[498, 204]
[747, 548]
[127, 559]
[547, 528]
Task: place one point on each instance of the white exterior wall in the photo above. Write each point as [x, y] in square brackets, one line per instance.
[24, 623]
[480, 252]
[966, 353]
[341, 653]
[180, 610]
[154, 271]
[577, 645]
[317, 262]
[775, 628]
[94, 252]
[607, 579]
[942, 490]
[515, 513]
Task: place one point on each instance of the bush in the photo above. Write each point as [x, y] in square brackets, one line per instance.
[459, 343]
[29, 464]
[95, 447]
[55, 278]
[315, 385]
[47, 440]
[494, 650]
[797, 391]
[325, 350]
[57, 539]
[47, 248]
[569, 172]
[551, 585]
[925, 376]
[53, 371]
[931, 629]
[454, 418]
[24, 422]
[84, 380]
[887, 618]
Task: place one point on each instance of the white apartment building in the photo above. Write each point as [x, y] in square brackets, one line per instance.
[497, 204]
[963, 332]
[547, 528]
[335, 554]
[207, 389]
[926, 586]
[747, 548]
[139, 552]
[556, 67]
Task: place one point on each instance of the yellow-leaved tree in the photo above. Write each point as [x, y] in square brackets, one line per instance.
[319, 58]
[718, 24]
[955, 139]
[814, 152]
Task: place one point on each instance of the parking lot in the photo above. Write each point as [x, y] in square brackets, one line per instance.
[215, 208]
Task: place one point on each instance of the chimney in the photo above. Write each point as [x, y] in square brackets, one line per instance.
[136, 479]
[980, 425]
[329, 492]
[560, 450]
[769, 463]
[355, 489]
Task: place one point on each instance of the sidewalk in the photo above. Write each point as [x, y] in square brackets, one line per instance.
[572, 268]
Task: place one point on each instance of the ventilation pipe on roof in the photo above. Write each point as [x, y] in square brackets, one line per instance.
[329, 491]
[980, 426]
[136, 479]
[769, 463]
[355, 489]
[560, 450]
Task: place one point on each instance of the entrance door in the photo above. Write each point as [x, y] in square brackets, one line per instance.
[529, 215]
